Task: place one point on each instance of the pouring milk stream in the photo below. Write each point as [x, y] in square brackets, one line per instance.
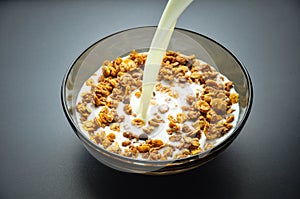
[157, 50]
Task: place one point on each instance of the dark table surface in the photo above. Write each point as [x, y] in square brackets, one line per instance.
[42, 158]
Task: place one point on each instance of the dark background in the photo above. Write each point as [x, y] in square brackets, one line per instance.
[42, 158]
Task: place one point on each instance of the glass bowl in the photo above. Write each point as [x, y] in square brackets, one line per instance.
[121, 44]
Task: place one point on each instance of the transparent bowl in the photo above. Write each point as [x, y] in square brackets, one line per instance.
[121, 44]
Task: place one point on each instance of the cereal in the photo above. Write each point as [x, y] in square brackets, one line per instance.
[98, 138]
[230, 119]
[185, 128]
[228, 86]
[131, 152]
[148, 129]
[138, 94]
[115, 127]
[127, 109]
[163, 108]
[153, 123]
[87, 97]
[168, 152]
[129, 135]
[194, 133]
[115, 148]
[143, 148]
[106, 143]
[126, 143]
[175, 138]
[155, 143]
[202, 106]
[111, 136]
[234, 97]
[154, 155]
[219, 106]
[104, 117]
[190, 99]
[138, 122]
[208, 146]
[196, 151]
[193, 115]
[89, 82]
[175, 127]
[193, 108]
[83, 110]
[112, 103]
[90, 126]
[181, 117]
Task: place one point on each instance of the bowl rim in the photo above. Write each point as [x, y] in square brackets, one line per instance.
[160, 163]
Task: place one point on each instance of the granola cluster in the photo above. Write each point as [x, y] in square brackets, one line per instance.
[205, 115]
